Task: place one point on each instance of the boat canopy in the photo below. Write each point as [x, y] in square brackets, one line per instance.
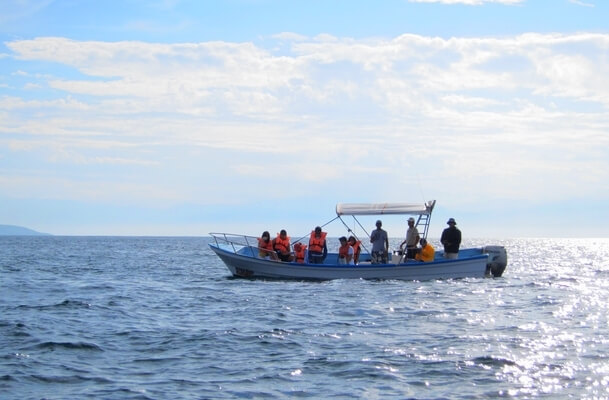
[385, 208]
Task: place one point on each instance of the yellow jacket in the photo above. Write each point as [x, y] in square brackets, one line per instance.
[426, 254]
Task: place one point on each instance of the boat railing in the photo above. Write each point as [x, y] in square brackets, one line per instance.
[234, 241]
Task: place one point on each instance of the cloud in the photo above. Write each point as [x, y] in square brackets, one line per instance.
[13, 10]
[290, 37]
[218, 70]
[328, 111]
[581, 3]
[470, 2]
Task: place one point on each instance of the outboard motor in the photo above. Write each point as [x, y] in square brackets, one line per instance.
[497, 260]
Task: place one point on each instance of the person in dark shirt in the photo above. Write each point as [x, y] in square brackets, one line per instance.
[451, 240]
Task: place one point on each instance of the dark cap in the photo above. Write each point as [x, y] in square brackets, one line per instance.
[451, 221]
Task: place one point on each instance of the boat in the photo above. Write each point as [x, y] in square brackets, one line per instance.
[240, 254]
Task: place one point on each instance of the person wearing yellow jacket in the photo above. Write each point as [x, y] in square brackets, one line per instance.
[426, 253]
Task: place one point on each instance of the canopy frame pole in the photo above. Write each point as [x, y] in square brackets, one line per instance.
[354, 235]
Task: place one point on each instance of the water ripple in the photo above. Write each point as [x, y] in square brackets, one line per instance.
[149, 318]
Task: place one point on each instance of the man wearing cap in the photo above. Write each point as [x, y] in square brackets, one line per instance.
[412, 239]
[451, 240]
[380, 244]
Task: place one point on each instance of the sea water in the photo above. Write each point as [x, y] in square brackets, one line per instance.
[160, 318]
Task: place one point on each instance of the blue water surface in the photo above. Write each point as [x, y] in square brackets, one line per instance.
[160, 318]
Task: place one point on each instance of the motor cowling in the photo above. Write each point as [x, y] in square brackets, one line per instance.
[497, 260]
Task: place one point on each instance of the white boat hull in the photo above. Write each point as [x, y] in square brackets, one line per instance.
[248, 266]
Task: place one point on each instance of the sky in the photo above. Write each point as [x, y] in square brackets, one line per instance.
[176, 117]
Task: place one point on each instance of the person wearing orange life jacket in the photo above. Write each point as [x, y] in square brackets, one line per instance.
[265, 246]
[318, 249]
[345, 252]
[299, 252]
[281, 244]
[356, 244]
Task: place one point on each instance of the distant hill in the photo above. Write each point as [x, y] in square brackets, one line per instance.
[13, 230]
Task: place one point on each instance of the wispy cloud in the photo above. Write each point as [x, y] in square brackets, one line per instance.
[581, 3]
[13, 10]
[470, 2]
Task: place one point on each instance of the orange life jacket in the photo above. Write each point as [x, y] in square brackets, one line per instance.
[426, 254]
[299, 252]
[317, 243]
[282, 245]
[265, 245]
[343, 251]
[356, 251]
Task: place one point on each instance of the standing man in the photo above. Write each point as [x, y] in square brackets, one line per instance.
[380, 244]
[412, 239]
[451, 240]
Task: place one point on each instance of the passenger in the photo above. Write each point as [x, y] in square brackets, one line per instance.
[451, 240]
[318, 250]
[380, 244]
[281, 244]
[299, 252]
[412, 239]
[426, 253]
[265, 246]
[345, 252]
[356, 244]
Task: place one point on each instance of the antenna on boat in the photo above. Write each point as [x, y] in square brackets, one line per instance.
[423, 197]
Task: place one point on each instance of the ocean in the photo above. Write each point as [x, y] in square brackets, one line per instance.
[160, 318]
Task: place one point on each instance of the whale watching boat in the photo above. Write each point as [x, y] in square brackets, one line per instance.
[241, 254]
